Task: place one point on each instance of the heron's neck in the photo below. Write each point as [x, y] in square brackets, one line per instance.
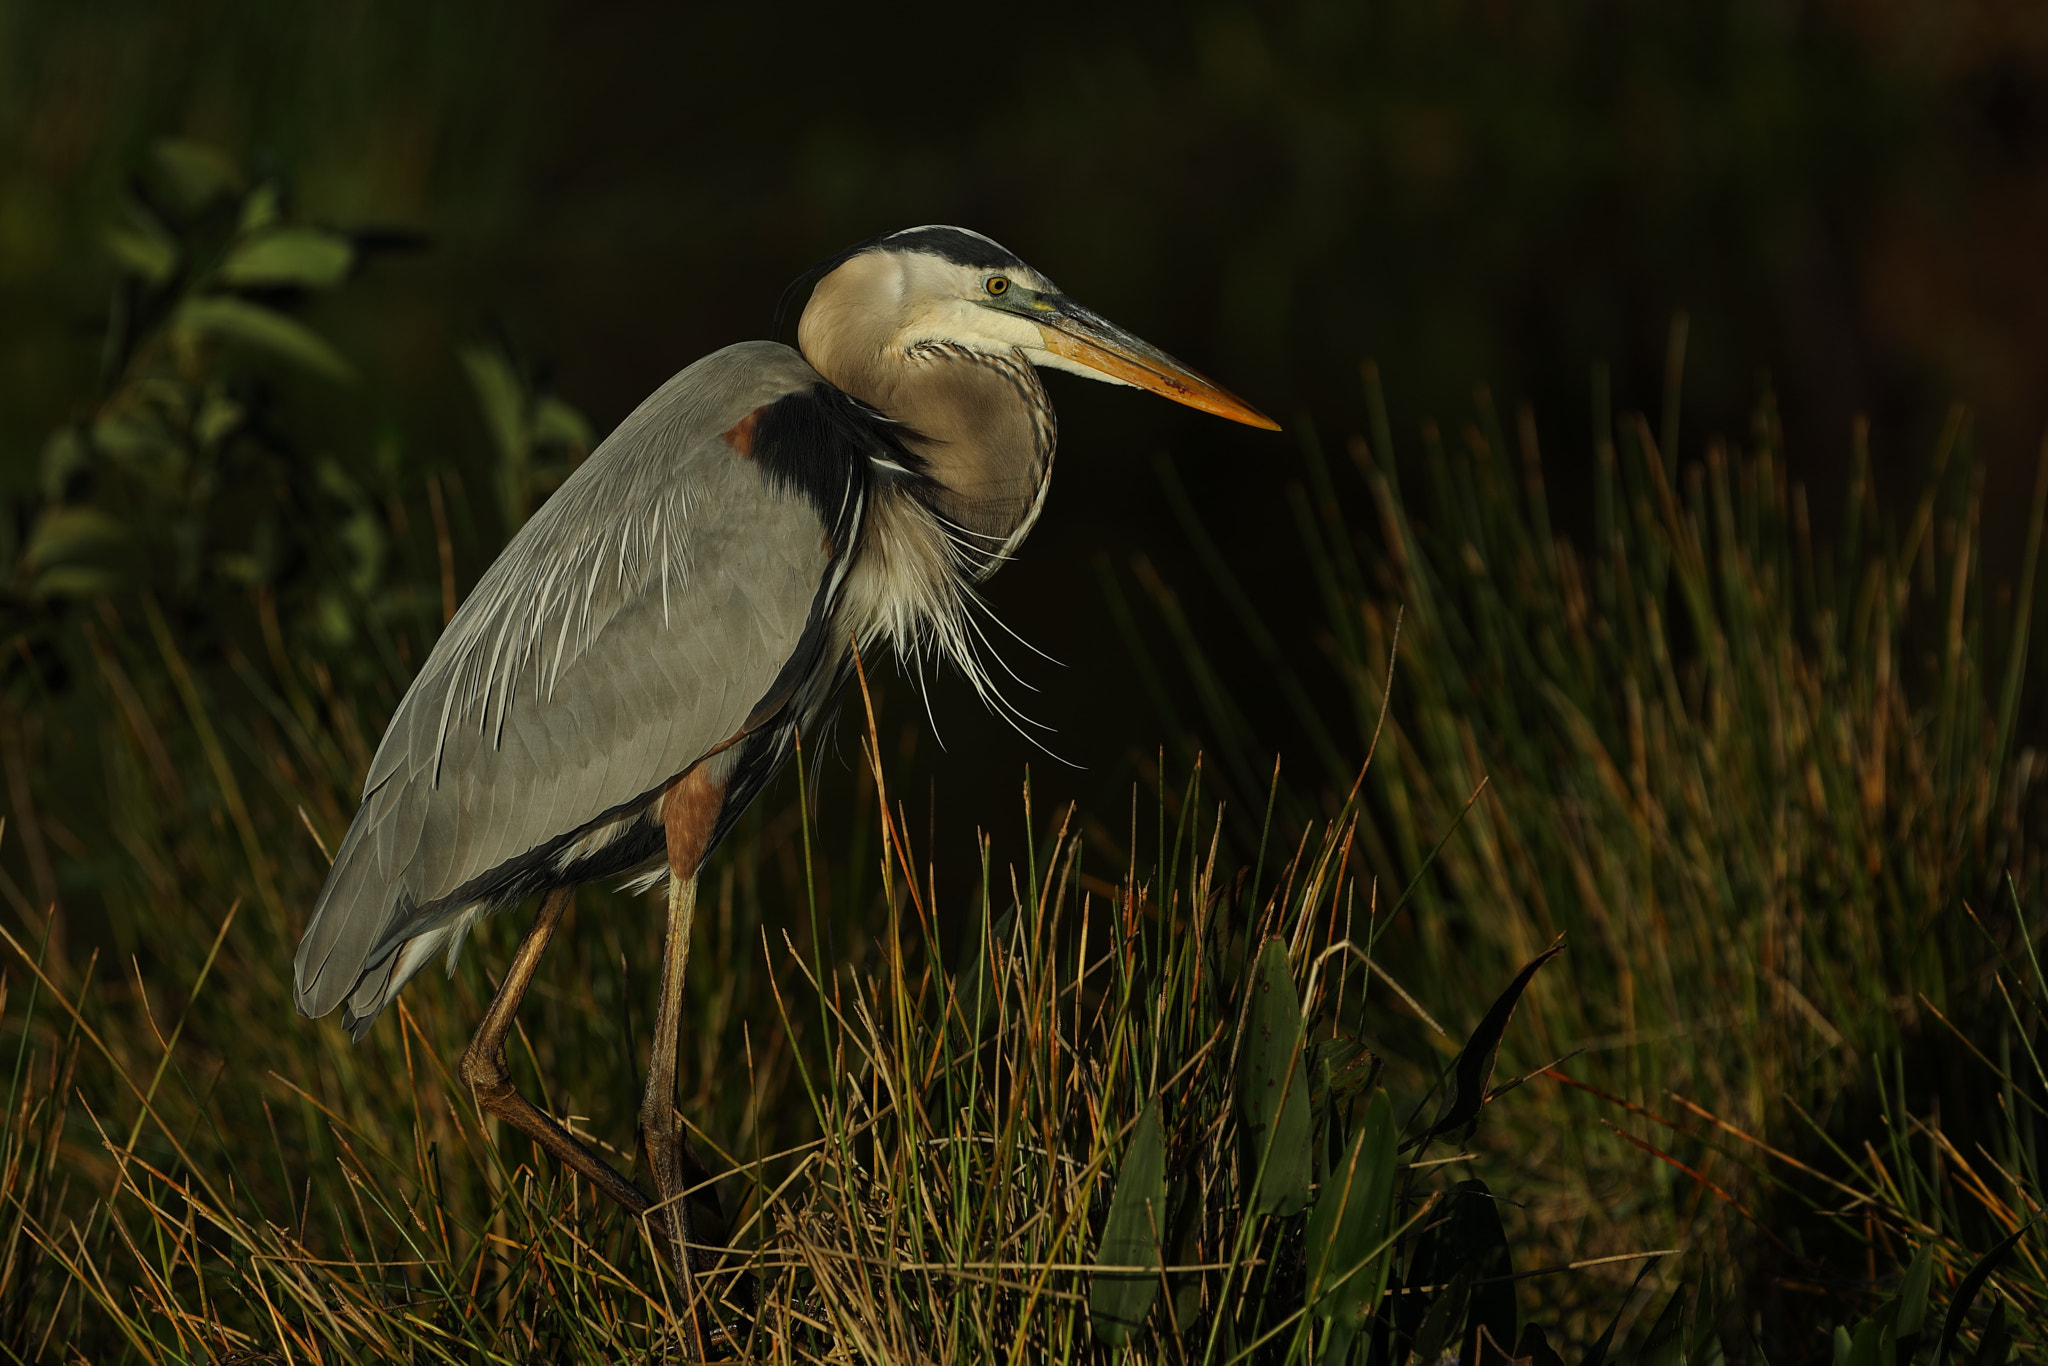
[983, 424]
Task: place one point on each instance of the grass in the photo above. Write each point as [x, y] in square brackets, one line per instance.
[1195, 1085]
[1772, 791]
[945, 1203]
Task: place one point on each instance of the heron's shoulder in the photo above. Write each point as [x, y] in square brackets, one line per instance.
[751, 364]
[715, 392]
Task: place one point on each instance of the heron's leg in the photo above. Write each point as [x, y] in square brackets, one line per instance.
[485, 1073]
[660, 1123]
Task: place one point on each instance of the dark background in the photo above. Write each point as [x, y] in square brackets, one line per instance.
[1848, 198]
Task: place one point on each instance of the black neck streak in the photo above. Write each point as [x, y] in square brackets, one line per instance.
[986, 432]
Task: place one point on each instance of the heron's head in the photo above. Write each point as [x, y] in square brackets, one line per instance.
[941, 286]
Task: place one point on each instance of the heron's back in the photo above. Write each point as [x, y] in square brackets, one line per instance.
[643, 618]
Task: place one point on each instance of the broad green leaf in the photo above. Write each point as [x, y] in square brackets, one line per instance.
[1350, 1220]
[556, 423]
[498, 394]
[1446, 1312]
[1703, 1346]
[1119, 1301]
[238, 320]
[219, 416]
[1844, 1345]
[259, 208]
[1340, 1203]
[1995, 1347]
[306, 258]
[1966, 1291]
[196, 172]
[1476, 1215]
[64, 534]
[77, 581]
[1862, 1344]
[64, 455]
[141, 246]
[1666, 1344]
[1912, 1316]
[1598, 1355]
[1468, 1241]
[1475, 1063]
[1273, 1086]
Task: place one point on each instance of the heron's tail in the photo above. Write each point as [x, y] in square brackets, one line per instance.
[380, 984]
[364, 943]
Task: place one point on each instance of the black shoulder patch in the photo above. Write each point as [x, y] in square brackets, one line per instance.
[822, 442]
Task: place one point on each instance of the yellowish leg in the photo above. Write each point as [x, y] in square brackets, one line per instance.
[661, 1126]
[485, 1073]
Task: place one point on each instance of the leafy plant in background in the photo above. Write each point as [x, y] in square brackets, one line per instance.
[173, 505]
[183, 506]
[538, 438]
[177, 479]
[173, 479]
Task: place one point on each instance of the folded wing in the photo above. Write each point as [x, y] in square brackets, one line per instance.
[644, 617]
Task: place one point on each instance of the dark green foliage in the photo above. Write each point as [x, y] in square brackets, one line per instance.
[1996, 1345]
[1132, 1235]
[1464, 1247]
[1911, 1312]
[1436, 1328]
[175, 481]
[1534, 1344]
[1597, 1356]
[1273, 1087]
[1349, 1252]
[1869, 1345]
[1966, 1295]
[1475, 1061]
[538, 439]
[1665, 1346]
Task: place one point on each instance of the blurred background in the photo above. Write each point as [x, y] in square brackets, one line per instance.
[1848, 199]
[538, 212]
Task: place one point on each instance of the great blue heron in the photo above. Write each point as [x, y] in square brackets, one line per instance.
[642, 657]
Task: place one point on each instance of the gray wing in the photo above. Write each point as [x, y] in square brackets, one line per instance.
[631, 627]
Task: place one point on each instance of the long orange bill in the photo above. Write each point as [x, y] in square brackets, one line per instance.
[1079, 335]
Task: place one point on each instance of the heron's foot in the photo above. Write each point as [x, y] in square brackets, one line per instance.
[485, 1072]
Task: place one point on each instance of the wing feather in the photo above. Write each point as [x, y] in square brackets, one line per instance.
[631, 627]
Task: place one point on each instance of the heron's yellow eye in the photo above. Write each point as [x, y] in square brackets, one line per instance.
[997, 284]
